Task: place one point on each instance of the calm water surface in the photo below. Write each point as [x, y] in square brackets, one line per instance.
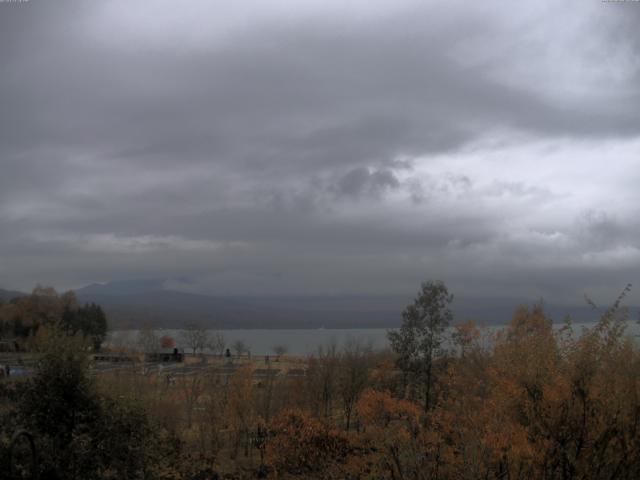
[307, 341]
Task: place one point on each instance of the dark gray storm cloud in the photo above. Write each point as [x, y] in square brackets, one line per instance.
[319, 148]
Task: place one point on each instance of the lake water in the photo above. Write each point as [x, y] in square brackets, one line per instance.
[261, 342]
[306, 341]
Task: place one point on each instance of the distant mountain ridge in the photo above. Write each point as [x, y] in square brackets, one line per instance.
[7, 295]
[149, 302]
[123, 287]
[133, 303]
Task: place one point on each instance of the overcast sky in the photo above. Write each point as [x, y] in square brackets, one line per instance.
[318, 147]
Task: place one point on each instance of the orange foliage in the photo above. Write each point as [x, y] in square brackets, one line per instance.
[378, 409]
[167, 342]
[300, 443]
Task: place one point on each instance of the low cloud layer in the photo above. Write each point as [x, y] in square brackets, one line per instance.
[322, 149]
